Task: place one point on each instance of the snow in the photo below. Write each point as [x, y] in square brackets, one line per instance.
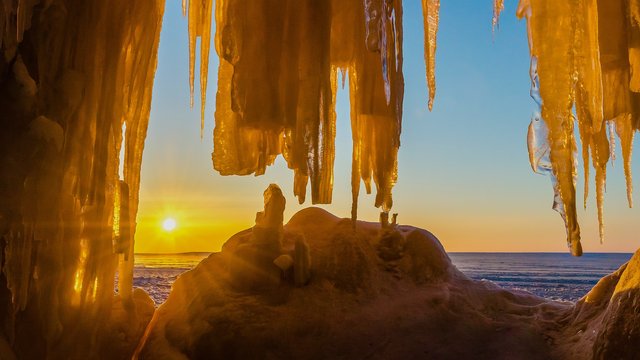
[356, 304]
[377, 292]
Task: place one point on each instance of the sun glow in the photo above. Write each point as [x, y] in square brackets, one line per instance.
[169, 224]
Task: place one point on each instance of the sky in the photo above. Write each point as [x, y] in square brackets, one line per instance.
[463, 168]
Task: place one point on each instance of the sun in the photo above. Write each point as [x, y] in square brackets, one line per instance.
[169, 224]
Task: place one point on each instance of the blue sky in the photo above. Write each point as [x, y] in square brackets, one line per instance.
[463, 168]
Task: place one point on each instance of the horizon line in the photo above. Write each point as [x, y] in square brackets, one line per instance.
[448, 252]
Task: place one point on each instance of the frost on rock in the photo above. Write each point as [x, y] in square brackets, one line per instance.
[584, 57]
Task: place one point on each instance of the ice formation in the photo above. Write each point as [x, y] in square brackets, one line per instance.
[75, 73]
[498, 6]
[284, 103]
[584, 56]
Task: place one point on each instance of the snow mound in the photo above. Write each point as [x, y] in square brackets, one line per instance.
[373, 292]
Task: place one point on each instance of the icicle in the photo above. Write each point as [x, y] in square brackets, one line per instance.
[600, 156]
[199, 17]
[121, 221]
[624, 128]
[587, 68]
[284, 103]
[498, 6]
[551, 76]
[614, 58]
[611, 126]
[91, 69]
[584, 127]
[24, 13]
[431, 14]
[588, 77]
[633, 31]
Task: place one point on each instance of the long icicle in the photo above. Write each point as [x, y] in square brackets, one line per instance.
[431, 17]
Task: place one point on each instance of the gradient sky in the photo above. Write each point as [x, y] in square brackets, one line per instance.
[463, 168]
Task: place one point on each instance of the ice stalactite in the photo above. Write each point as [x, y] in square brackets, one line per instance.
[431, 16]
[498, 6]
[73, 73]
[551, 77]
[284, 103]
[200, 17]
[585, 57]
[625, 131]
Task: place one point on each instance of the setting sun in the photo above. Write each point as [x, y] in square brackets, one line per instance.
[169, 224]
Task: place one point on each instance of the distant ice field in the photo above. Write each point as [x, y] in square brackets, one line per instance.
[557, 276]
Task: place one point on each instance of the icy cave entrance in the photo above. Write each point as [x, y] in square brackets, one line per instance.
[177, 177]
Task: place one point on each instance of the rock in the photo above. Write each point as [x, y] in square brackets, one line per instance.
[252, 268]
[252, 261]
[121, 333]
[302, 262]
[424, 258]
[352, 308]
[284, 262]
[391, 245]
[619, 332]
[274, 204]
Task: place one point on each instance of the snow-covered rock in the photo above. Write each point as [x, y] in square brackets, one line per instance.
[356, 304]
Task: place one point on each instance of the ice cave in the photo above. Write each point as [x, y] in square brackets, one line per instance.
[76, 90]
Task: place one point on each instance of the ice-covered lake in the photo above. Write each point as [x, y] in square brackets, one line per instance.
[557, 276]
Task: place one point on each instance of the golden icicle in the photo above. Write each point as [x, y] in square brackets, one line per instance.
[274, 99]
[600, 154]
[199, 18]
[431, 15]
[498, 6]
[625, 131]
[552, 45]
